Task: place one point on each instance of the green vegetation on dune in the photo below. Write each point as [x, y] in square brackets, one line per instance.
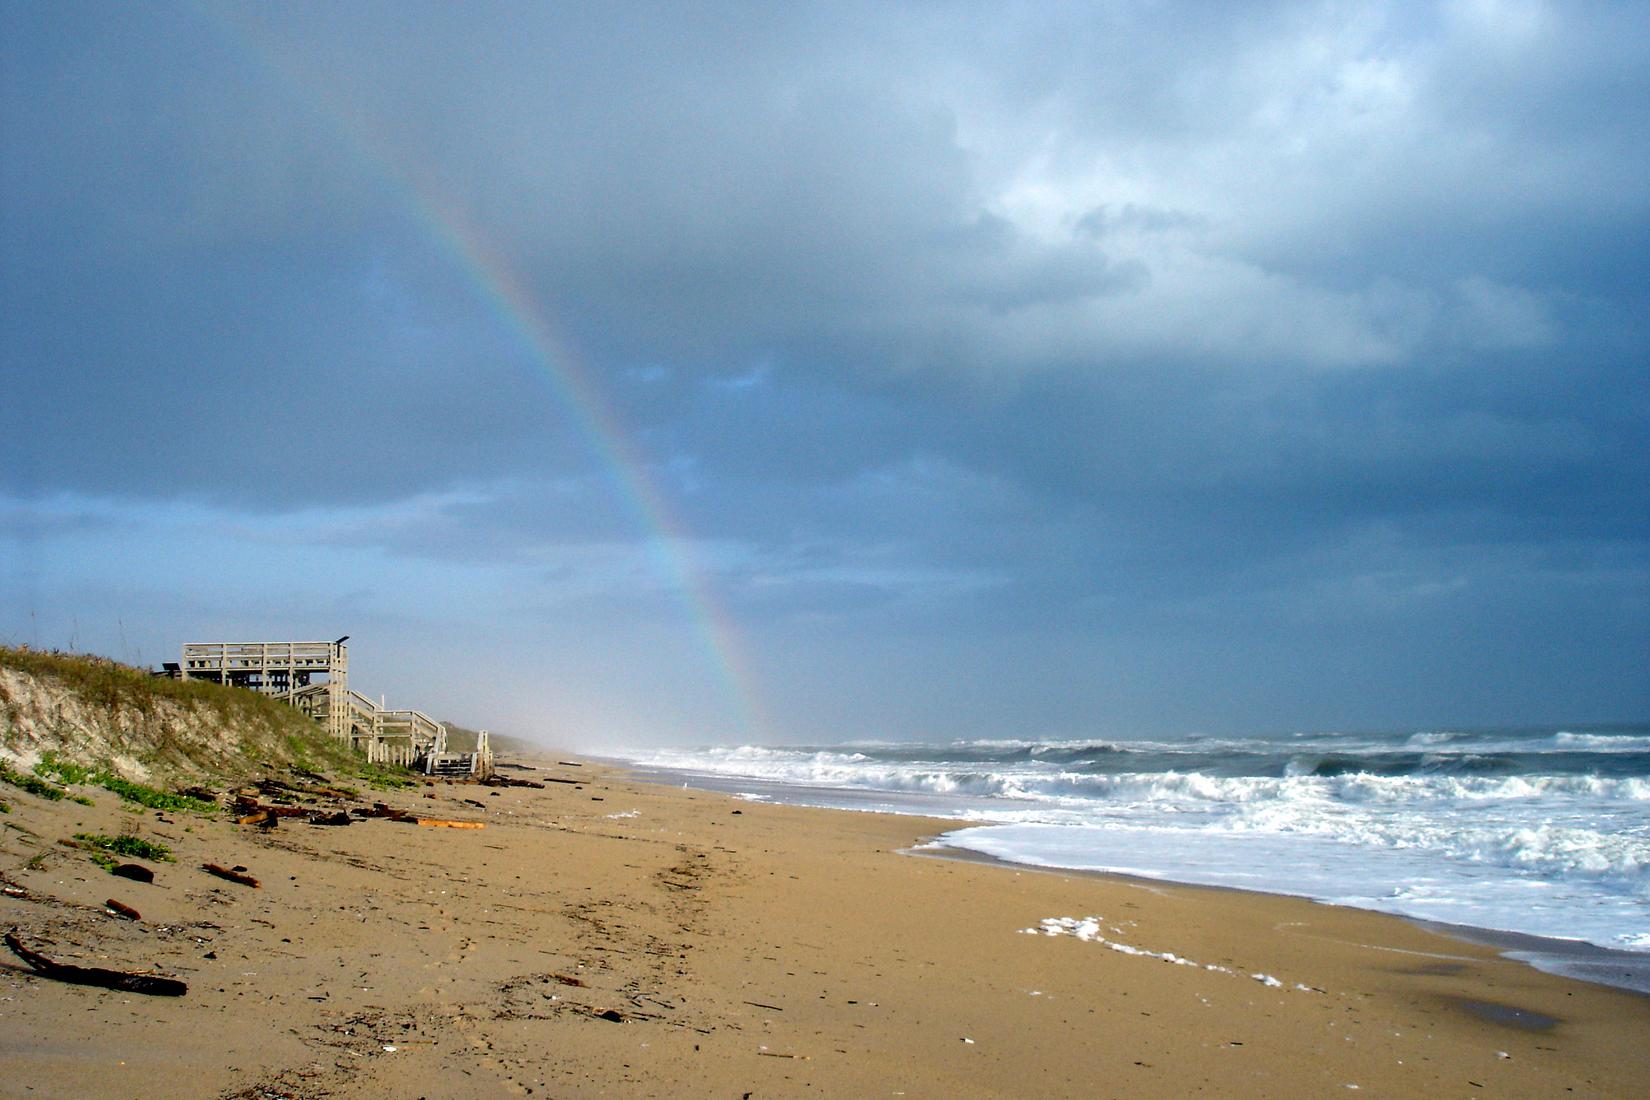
[129, 846]
[80, 775]
[70, 775]
[31, 783]
[387, 777]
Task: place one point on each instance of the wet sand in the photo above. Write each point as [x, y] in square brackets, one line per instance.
[609, 937]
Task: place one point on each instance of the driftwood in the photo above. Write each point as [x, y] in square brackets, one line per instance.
[134, 871]
[496, 780]
[275, 786]
[328, 792]
[91, 975]
[233, 876]
[381, 810]
[250, 806]
[438, 823]
[340, 818]
[120, 909]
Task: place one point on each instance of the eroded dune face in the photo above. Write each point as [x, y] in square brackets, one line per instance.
[100, 713]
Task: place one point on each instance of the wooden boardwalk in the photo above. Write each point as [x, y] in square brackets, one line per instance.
[314, 677]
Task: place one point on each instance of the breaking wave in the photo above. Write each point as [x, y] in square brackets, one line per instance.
[1543, 831]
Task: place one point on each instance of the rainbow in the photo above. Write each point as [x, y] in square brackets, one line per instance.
[556, 366]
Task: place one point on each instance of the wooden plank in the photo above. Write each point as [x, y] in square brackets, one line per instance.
[232, 876]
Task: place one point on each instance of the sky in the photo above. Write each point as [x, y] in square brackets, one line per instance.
[624, 374]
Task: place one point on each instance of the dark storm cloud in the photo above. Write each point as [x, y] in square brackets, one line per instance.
[1062, 315]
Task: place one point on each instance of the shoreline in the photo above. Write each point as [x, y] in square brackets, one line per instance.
[1577, 960]
[1580, 960]
[606, 936]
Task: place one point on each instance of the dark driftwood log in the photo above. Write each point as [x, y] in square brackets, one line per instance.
[134, 871]
[91, 975]
[232, 876]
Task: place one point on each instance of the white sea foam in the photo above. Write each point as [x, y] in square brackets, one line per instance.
[1458, 826]
[1040, 783]
[1089, 930]
[1601, 742]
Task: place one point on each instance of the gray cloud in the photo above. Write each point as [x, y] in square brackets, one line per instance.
[957, 318]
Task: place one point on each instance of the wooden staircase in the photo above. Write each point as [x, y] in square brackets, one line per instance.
[451, 765]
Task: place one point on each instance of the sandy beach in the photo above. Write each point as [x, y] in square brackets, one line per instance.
[601, 936]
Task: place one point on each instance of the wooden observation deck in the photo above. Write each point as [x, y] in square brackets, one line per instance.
[314, 677]
[280, 669]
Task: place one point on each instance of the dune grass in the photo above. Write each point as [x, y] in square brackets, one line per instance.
[129, 846]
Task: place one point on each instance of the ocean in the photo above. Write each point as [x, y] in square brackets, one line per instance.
[1518, 832]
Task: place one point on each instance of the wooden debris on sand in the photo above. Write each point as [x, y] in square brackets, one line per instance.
[275, 787]
[237, 874]
[120, 909]
[496, 780]
[137, 872]
[90, 975]
[248, 805]
[438, 823]
[381, 810]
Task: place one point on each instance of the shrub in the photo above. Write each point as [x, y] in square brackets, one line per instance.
[77, 774]
[387, 778]
[31, 783]
[130, 846]
[65, 772]
[154, 799]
